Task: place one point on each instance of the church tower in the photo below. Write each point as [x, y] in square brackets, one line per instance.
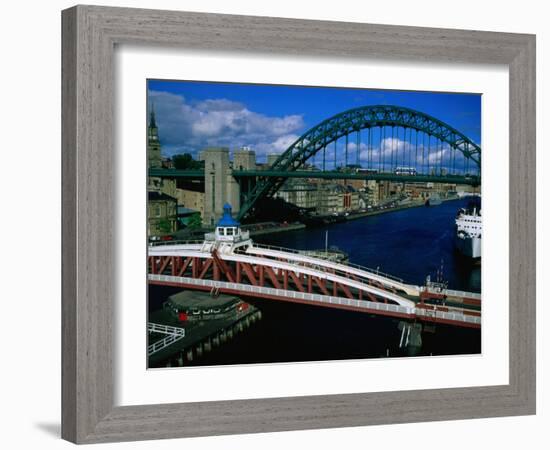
[154, 159]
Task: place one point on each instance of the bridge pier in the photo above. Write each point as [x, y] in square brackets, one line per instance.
[411, 337]
[220, 186]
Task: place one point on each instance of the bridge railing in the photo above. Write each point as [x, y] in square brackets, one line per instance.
[297, 295]
[176, 242]
[455, 316]
[463, 294]
[348, 264]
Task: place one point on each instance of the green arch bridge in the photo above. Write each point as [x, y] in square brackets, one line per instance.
[376, 142]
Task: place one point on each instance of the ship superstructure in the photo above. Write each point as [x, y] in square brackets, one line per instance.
[468, 231]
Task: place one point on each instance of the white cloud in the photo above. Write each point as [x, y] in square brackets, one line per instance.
[190, 126]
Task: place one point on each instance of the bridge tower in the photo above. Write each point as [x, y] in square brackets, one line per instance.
[219, 185]
[244, 159]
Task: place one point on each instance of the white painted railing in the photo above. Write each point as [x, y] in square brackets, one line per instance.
[474, 295]
[175, 242]
[174, 335]
[304, 296]
[318, 298]
[165, 329]
[454, 316]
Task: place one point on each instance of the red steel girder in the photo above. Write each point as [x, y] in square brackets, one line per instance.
[296, 281]
[205, 268]
[165, 261]
[321, 285]
[272, 276]
[184, 267]
[249, 272]
[223, 267]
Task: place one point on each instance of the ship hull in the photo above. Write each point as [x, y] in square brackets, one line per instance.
[469, 246]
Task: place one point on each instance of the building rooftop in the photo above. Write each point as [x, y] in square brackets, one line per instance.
[184, 210]
[156, 196]
[194, 299]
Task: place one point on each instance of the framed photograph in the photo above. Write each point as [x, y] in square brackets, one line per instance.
[277, 224]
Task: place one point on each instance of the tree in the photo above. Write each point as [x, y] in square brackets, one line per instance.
[164, 226]
[185, 162]
[194, 221]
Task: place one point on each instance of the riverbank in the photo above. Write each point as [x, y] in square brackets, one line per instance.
[415, 204]
[281, 228]
[354, 216]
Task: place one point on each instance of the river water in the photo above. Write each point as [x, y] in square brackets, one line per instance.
[410, 244]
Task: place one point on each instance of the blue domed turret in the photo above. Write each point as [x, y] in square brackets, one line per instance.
[227, 218]
[228, 234]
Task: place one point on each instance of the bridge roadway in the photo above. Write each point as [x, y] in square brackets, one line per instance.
[286, 270]
[368, 274]
[199, 175]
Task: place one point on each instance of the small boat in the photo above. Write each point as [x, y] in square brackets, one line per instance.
[433, 200]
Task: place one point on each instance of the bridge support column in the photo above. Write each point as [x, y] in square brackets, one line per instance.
[219, 185]
[410, 337]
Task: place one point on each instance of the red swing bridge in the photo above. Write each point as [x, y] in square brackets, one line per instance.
[229, 262]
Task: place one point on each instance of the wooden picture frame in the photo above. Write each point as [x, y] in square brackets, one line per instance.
[90, 34]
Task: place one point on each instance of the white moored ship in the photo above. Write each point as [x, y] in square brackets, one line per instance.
[468, 231]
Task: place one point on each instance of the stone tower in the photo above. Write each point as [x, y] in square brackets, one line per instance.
[244, 159]
[153, 144]
[219, 185]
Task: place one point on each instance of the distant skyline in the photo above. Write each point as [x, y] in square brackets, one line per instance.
[269, 118]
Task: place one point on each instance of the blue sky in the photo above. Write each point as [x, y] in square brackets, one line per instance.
[267, 118]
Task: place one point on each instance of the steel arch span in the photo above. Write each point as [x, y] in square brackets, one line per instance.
[354, 120]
